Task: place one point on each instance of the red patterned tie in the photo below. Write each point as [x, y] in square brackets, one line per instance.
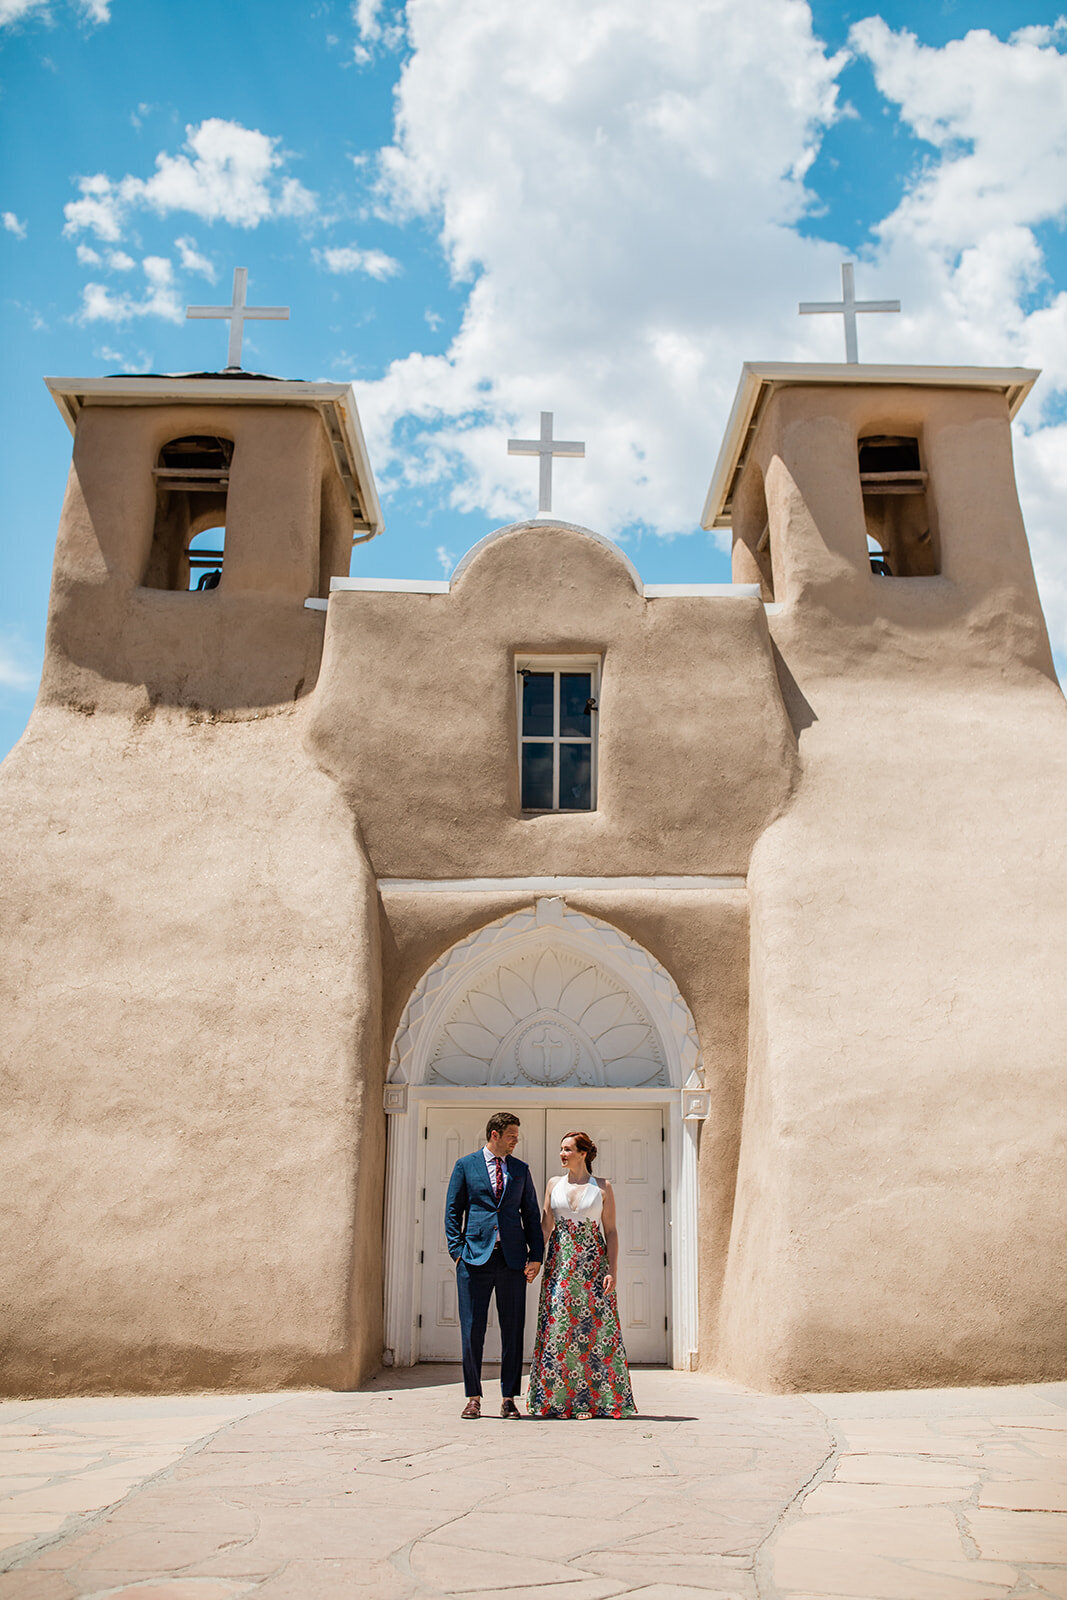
[498, 1178]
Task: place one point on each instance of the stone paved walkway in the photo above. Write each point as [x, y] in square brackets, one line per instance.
[713, 1491]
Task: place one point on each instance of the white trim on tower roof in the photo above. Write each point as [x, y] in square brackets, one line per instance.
[759, 379]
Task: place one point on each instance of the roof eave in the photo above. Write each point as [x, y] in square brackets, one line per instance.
[760, 379]
[335, 403]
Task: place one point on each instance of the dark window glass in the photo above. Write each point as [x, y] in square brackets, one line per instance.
[575, 691]
[537, 705]
[575, 777]
[537, 776]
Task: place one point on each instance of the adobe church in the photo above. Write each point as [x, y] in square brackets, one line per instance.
[762, 884]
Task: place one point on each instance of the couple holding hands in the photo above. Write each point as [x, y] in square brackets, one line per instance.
[497, 1235]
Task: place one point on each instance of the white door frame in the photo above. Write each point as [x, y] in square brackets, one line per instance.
[408, 1096]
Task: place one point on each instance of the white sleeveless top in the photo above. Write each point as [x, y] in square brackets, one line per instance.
[588, 1200]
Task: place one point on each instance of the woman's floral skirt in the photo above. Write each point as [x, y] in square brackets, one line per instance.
[579, 1364]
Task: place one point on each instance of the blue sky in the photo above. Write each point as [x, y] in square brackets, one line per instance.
[478, 211]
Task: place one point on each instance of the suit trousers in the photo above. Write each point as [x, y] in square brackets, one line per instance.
[476, 1286]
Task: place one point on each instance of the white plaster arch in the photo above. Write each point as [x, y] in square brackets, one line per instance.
[546, 522]
[555, 1005]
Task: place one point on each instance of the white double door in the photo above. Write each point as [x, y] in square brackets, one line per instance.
[631, 1154]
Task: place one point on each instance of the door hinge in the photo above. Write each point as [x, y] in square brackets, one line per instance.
[664, 1196]
[424, 1195]
[664, 1323]
[422, 1253]
[426, 1131]
[662, 1134]
[420, 1320]
[664, 1253]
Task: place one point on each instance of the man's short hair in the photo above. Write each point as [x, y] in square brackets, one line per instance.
[499, 1121]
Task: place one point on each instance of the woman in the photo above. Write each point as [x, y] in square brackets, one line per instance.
[579, 1364]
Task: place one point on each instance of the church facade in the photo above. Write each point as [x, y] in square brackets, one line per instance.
[762, 884]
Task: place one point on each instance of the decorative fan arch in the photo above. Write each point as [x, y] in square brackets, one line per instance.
[547, 997]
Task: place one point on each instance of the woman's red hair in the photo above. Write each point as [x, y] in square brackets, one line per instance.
[584, 1144]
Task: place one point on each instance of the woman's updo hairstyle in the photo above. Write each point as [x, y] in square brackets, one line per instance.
[583, 1143]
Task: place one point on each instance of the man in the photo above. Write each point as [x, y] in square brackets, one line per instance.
[493, 1229]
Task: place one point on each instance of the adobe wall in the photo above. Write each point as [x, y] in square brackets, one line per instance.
[201, 986]
[190, 970]
[193, 1154]
[900, 1200]
[416, 718]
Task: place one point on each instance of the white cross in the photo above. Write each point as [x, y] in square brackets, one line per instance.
[546, 447]
[848, 305]
[548, 1047]
[238, 314]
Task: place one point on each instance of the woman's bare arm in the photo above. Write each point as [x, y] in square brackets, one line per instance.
[611, 1235]
[548, 1218]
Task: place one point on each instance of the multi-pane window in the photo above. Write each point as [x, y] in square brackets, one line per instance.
[557, 733]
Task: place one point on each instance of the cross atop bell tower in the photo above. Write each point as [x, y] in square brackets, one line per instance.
[237, 313]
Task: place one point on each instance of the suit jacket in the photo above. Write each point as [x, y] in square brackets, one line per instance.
[473, 1217]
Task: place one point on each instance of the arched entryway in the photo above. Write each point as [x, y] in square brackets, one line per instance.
[566, 1020]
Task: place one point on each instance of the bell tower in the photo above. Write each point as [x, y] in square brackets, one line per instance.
[883, 497]
[201, 513]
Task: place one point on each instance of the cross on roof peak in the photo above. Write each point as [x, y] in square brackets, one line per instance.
[545, 447]
[237, 314]
[848, 306]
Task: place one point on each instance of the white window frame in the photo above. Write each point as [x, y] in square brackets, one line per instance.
[556, 665]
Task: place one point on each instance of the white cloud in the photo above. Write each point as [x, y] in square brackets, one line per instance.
[160, 298]
[193, 261]
[17, 670]
[367, 15]
[226, 173]
[995, 112]
[12, 11]
[142, 362]
[624, 214]
[88, 257]
[446, 558]
[13, 225]
[119, 261]
[100, 209]
[623, 210]
[1041, 468]
[348, 258]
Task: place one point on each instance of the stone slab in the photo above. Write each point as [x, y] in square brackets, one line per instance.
[385, 1495]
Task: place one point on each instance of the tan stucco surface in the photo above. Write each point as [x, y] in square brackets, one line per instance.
[201, 981]
[900, 1194]
[250, 642]
[192, 1033]
[417, 698]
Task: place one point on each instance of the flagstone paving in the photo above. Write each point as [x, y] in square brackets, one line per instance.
[386, 1494]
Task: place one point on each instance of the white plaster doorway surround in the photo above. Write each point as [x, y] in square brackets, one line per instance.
[546, 1007]
[630, 1145]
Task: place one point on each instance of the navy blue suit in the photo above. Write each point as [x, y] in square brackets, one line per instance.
[473, 1218]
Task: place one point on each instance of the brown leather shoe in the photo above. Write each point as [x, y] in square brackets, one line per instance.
[508, 1408]
[473, 1409]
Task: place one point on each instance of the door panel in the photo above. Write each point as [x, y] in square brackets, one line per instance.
[630, 1153]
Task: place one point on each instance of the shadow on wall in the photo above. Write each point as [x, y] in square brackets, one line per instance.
[798, 709]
